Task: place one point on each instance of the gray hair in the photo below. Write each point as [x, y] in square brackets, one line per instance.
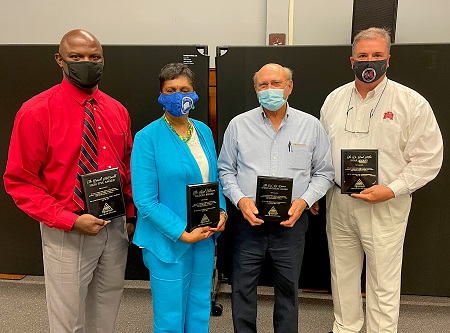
[173, 70]
[372, 33]
[289, 74]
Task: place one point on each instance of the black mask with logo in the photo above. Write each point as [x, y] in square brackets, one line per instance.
[84, 74]
[369, 71]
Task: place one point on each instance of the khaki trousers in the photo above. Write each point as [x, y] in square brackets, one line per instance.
[84, 277]
[355, 228]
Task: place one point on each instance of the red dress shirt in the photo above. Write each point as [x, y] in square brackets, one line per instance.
[45, 146]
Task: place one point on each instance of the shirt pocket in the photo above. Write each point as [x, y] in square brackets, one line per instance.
[388, 136]
[299, 156]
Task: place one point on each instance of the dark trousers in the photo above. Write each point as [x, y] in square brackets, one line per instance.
[285, 247]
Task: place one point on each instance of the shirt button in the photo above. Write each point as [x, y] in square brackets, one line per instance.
[104, 147]
[109, 167]
[99, 127]
[95, 109]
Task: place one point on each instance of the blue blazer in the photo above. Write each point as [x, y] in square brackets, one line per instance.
[161, 167]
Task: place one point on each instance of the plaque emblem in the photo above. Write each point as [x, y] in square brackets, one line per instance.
[273, 211]
[205, 219]
[359, 184]
[107, 209]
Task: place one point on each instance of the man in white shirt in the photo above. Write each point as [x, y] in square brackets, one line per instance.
[397, 124]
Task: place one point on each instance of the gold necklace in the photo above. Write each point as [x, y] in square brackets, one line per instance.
[189, 131]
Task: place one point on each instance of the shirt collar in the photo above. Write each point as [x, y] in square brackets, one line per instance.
[375, 92]
[286, 116]
[77, 94]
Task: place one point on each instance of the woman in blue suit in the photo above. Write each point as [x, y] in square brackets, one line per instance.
[168, 154]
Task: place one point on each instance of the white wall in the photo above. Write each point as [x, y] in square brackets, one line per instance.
[229, 22]
[420, 21]
[323, 22]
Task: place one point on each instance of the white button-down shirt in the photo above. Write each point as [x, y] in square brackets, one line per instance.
[392, 118]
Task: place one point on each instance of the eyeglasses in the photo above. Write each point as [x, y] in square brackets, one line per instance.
[363, 131]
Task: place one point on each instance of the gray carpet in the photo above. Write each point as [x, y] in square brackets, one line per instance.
[23, 309]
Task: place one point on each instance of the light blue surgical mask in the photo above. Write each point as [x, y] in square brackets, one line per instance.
[271, 99]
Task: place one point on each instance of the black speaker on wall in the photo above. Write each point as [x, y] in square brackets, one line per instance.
[374, 13]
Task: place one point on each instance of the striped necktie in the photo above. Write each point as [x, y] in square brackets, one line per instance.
[88, 160]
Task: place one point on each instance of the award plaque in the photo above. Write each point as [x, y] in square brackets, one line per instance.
[103, 194]
[359, 169]
[273, 198]
[202, 205]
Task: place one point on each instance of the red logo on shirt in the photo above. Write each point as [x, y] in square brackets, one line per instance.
[388, 115]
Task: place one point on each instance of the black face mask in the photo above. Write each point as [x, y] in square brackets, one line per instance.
[85, 74]
[369, 71]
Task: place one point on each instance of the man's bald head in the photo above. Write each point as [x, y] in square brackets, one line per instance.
[272, 67]
[78, 38]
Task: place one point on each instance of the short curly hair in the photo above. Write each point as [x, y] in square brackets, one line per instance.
[172, 71]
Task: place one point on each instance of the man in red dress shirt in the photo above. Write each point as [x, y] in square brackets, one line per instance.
[84, 256]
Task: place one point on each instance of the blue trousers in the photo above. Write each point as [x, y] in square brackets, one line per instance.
[285, 247]
[181, 292]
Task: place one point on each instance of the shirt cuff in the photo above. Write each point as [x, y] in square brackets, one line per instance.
[235, 197]
[398, 187]
[309, 199]
[66, 220]
[130, 211]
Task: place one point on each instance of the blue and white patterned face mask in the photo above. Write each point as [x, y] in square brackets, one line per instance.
[178, 104]
[271, 99]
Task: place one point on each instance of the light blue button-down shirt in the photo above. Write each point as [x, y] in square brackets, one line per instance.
[300, 149]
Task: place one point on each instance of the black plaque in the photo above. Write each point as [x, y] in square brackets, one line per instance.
[202, 205]
[103, 194]
[273, 198]
[359, 169]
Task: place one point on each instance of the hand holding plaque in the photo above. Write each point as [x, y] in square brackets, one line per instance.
[202, 205]
[359, 169]
[273, 198]
[103, 194]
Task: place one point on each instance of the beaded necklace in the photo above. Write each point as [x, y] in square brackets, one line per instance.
[189, 131]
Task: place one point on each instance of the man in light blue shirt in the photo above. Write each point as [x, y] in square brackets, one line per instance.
[278, 141]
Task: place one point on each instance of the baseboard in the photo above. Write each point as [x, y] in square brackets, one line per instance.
[12, 276]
